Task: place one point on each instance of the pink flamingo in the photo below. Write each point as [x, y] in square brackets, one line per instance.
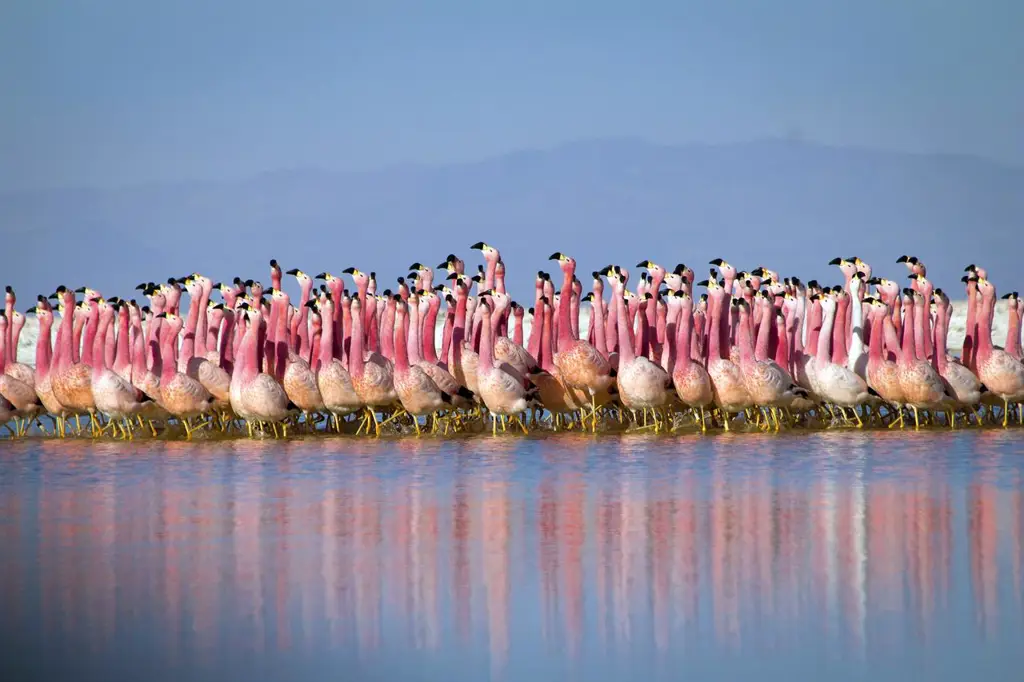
[418, 394]
[959, 381]
[883, 375]
[503, 394]
[114, 395]
[730, 393]
[835, 382]
[921, 384]
[332, 377]
[579, 364]
[181, 395]
[1001, 373]
[690, 379]
[372, 378]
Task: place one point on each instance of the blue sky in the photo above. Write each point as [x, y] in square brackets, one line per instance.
[117, 92]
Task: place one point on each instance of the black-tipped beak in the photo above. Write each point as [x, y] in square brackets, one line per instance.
[965, 279]
[31, 311]
[874, 280]
[141, 287]
[219, 306]
[54, 296]
[478, 246]
[716, 262]
[444, 264]
[416, 266]
[835, 261]
[453, 276]
[161, 316]
[310, 304]
[757, 272]
[557, 255]
[322, 275]
[703, 283]
[80, 290]
[970, 268]
[348, 271]
[293, 271]
[644, 264]
[439, 287]
[902, 259]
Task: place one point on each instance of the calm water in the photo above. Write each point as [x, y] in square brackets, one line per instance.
[854, 555]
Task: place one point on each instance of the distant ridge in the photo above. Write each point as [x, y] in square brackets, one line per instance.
[791, 205]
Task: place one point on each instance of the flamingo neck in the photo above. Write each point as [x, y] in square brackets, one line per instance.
[302, 339]
[920, 329]
[204, 320]
[168, 341]
[939, 360]
[1013, 333]
[43, 353]
[839, 337]
[875, 347]
[684, 337]
[429, 342]
[782, 345]
[281, 339]
[544, 330]
[597, 322]
[907, 354]
[983, 330]
[764, 334]
[446, 334]
[122, 358]
[824, 350]
[626, 352]
[326, 343]
[743, 338]
[415, 345]
[92, 326]
[486, 348]
[356, 359]
[400, 351]
[564, 310]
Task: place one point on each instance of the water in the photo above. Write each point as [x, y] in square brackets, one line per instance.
[799, 557]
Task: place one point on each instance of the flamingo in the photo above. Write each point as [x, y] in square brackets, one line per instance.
[643, 385]
[372, 377]
[767, 383]
[730, 393]
[689, 378]
[181, 395]
[418, 394]
[332, 377]
[882, 374]
[1001, 373]
[115, 396]
[579, 364]
[836, 383]
[503, 394]
[921, 385]
[959, 381]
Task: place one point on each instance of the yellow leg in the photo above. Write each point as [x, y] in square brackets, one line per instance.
[494, 425]
[917, 420]
[1006, 412]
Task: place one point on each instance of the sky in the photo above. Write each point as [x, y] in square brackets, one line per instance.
[108, 93]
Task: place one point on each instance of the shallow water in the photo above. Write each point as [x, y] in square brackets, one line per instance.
[840, 555]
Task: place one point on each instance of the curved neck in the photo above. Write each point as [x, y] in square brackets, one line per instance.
[43, 353]
[983, 328]
[764, 333]
[446, 336]
[1013, 332]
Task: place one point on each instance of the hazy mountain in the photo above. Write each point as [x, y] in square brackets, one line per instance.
[792, 206]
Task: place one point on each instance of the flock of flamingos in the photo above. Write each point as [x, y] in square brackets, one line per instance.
[753, 352]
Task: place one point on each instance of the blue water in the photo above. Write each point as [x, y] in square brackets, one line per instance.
[796, 557]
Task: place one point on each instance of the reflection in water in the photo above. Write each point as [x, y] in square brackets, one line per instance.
[567, 549]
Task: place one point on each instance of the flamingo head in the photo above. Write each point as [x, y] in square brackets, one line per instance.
[846, 266]
[653, 268]
[360, 278]
[303, 279]
[255, 289]
[728, 271]
[9, 297]
[491, 254]
[856, 282]
[566, 263]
